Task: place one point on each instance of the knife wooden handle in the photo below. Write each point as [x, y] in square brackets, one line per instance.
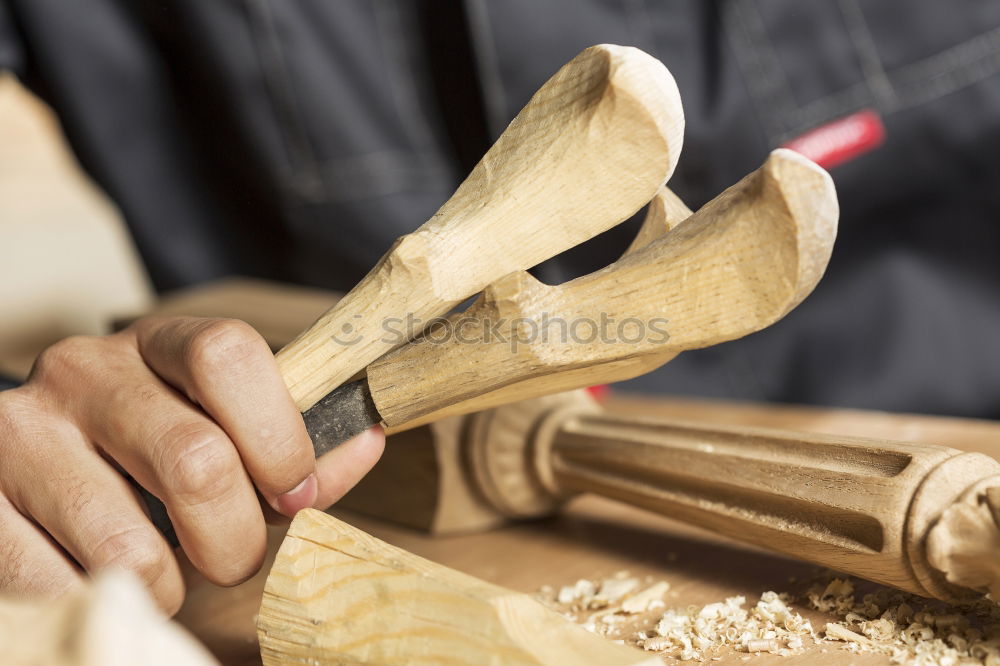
[591, 147]
[737, 265]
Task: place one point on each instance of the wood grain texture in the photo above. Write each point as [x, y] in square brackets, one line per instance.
[863, 506]
[591, 147]
[664, 212]
[853, 504]
[737, 265]
[964, 544]
[428, 469]
[337, 595]
[441, 496]
[938, 524]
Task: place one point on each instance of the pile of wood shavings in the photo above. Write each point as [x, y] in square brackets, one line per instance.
[770, 626]
[606, 606]
[910, 629]
[626, 610]
[906, 628]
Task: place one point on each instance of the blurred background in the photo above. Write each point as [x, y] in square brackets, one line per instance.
[67, 263]
[181, 142]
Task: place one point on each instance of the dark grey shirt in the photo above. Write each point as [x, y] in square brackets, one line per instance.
[295, 139]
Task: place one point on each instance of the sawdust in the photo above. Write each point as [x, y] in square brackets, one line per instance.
[635, 612]
[905, 628]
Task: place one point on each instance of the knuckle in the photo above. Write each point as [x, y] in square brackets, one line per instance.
[15, 405]
[135, 549]
[25, 421]
[69, 355]
[147, 324]
[123, 398]
[222, 343]
[198, 463]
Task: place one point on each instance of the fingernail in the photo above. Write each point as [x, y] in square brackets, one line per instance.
[374, 432]
[299, 497]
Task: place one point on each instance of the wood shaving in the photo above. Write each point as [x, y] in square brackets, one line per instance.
[769, 626]
[585, 594]
[906, 628]
[649, 598]
[910, 629]
[581, 590]
[839, 632]
[763, 645]
[636, 617]
[613, 589]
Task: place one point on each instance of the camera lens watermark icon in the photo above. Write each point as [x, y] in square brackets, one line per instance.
[348, 334]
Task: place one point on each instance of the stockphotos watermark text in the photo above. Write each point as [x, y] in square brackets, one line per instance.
[513, 332]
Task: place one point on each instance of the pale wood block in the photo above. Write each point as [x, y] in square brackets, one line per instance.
[67, 263]
[337, 595]
[110, 622]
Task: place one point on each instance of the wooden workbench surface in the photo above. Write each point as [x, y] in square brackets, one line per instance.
[593, 537]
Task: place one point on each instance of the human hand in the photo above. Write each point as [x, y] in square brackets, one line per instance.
[196, 412]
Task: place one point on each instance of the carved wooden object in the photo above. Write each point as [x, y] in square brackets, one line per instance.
[337, 595]
[863, 506]
[592, 146]
[916, 516]
[736, 266]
